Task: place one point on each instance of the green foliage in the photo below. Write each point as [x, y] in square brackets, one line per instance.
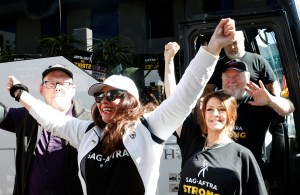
[61, 45]
[7, 55]
[114, 51]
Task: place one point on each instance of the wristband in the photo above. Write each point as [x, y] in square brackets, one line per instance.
[17, 98]
[15, 87]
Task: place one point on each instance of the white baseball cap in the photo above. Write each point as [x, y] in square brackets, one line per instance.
[116, 81]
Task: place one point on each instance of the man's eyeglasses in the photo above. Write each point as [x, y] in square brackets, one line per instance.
[53, 84]
[110, 95]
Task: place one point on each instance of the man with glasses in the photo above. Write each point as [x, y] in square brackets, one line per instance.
[45, 163]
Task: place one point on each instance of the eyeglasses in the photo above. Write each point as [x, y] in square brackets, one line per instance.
[110, 95]
[53, 84]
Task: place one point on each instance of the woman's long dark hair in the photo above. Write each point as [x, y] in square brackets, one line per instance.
[129, 111]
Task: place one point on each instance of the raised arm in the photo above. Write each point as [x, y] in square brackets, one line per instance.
[262, 97]
[172, 112]
[171, 49]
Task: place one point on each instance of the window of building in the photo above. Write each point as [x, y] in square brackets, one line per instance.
[159, 16]
[105, 23]
[8, 35]
[54, 24]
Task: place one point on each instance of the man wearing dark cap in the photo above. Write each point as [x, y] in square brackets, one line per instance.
[258, 66]
[253, 120]
[235, 76]
[45, 163]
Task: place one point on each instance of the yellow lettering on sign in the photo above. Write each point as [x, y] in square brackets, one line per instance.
[84, 65]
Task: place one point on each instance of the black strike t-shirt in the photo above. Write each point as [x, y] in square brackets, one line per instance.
[226, 170]
[252, 125]
[113, 174]
[191, 140]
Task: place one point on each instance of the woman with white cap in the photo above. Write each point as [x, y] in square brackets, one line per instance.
[121, 153]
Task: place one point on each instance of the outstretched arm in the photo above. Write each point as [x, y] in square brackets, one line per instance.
[262, 97]
[27, 100]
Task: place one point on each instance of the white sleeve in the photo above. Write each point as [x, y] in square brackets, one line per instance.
[164, 120]
[67, 127]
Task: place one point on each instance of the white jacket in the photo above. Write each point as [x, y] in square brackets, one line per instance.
[162, 121]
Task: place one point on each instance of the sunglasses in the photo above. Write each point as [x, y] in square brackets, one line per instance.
[110, 95]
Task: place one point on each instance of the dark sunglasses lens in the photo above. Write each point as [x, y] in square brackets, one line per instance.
[111, 95]
[99, 97]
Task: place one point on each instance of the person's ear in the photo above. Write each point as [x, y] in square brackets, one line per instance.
[73, 90]
[73, 86]
[41, 89]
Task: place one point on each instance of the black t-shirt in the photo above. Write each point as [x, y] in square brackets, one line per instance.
[113, 174]
[258, 67]
[225, 170]
[191, 140]
[252, 124]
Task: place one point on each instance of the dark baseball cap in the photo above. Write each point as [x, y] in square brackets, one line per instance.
[59, 67]
[236, 65]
